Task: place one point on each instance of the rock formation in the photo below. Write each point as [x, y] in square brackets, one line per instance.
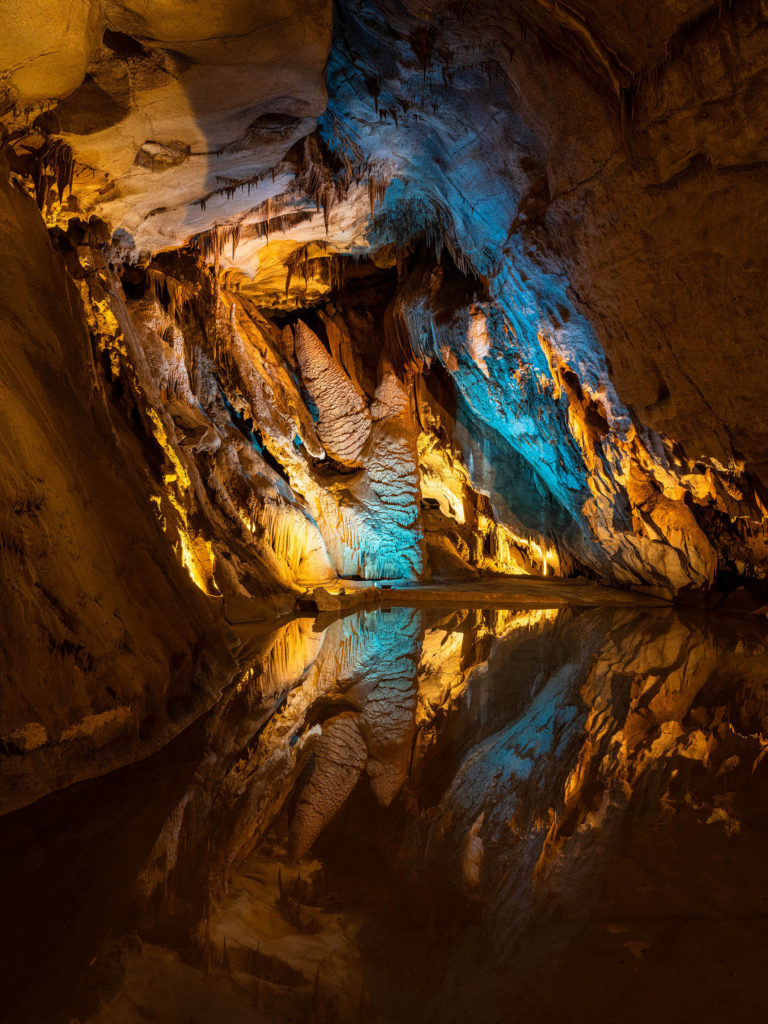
[385, 291]
[308, 307]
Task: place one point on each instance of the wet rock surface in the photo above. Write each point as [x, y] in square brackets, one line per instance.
[413, 814]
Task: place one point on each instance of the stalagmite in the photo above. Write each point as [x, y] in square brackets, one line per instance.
[344, 421]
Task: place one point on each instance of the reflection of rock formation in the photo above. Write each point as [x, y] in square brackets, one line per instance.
[339, 754]
[313, 715]
[644, 731]
[590, 704]
[514, 759]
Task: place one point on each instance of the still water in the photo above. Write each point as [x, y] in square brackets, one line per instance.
[408, 815]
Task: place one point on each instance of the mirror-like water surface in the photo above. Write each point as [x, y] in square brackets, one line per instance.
[411, 815]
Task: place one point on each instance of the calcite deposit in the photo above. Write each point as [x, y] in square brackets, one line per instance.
[492, 211]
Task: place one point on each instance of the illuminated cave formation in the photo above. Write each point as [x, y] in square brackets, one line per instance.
[311, 307]
[353, 322]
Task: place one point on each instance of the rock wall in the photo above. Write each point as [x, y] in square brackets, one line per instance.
[442, 438]
[165, 107]
[107, 648]
[564, 215]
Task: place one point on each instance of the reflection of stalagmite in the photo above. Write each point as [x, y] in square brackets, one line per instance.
[340, 755]
[472, 859]
[635, 731]
[388, 721]
[287, 654]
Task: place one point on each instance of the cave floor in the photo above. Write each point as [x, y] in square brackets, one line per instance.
[421, 814]
[501, 592]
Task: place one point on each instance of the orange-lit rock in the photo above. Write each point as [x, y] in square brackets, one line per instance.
[107, 647]
[316, 314]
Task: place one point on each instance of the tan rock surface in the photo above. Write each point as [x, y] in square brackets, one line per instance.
[107, 648]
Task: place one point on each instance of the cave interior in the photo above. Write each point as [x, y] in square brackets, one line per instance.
[383, 511]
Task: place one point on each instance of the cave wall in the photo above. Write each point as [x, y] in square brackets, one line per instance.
[510, 139]
[586, 175]
[640, 180]
[619, 162]
[164, 107]
[659, 219]
[107, 648]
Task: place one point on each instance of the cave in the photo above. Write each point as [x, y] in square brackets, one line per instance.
[383, 511]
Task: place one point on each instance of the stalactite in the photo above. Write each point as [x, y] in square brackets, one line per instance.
[230, 234]
[54, 157]
[377, 191]
[322, 179]
[208, 244]
[328, 197]
[300, 261]
[373, 84]
[172, 293]
[422, 41]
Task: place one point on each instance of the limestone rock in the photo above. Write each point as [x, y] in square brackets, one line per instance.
[344, 421]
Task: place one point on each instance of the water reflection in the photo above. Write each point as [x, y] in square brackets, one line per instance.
[408, 815]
